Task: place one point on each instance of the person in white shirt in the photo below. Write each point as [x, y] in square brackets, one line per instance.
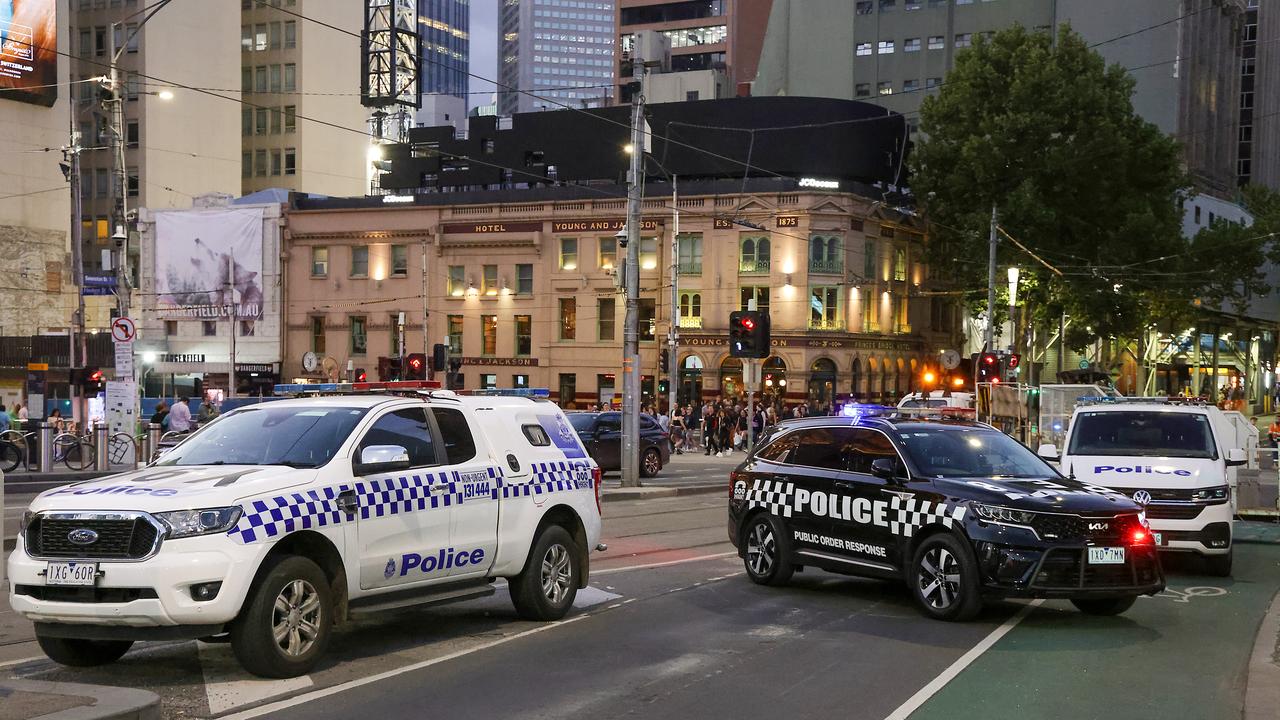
[180, 416]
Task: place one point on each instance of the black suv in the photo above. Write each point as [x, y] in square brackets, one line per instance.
[958, 510]
[601, 435]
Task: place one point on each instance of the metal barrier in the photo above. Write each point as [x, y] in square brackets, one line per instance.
[1257, 491]
[102, 453]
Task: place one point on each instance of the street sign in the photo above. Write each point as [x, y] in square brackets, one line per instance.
[1084, 364]
[123, 329]
[124, 359]
[751, 373]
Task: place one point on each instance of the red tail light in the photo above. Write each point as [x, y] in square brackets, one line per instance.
[1140, 537]
[597, 479]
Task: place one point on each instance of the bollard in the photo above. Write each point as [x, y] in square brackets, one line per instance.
[44, 431]
[153, 442]
[101, 443]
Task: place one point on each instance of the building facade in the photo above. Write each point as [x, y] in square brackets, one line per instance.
[293, 73]
[719, 38]
[1263, 135]
[525, 292]
[160, 118]
[555, 52]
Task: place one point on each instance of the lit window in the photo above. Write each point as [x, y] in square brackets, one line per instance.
[886, 47]
[568, 253]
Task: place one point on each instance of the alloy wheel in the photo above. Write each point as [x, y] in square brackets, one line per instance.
[295, 618]
[761, 549]
[938, 578]
[557, 573]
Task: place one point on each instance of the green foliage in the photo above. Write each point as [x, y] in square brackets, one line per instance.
[1047, 132]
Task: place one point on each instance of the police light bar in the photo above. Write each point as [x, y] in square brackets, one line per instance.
[352, 388]
[1152, 400]
[543, 393]
[861, 410]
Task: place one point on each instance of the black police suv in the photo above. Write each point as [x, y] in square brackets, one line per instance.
[958, 510]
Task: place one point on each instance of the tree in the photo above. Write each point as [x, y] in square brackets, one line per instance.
[1046, 131]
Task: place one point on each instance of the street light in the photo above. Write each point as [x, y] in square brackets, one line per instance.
[1013, 301]
[165, 94]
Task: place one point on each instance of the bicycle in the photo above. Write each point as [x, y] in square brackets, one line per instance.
[74, 451]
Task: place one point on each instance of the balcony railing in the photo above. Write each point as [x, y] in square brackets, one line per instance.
[826, 267]
[826, 325]
[690, 323]
[748, 266]
[689, 267]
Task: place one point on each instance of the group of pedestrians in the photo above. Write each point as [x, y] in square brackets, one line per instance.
[721, 427]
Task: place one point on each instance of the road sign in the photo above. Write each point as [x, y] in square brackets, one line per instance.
[1084, 364]
[123, 330]
[124, 359]
[751, 373]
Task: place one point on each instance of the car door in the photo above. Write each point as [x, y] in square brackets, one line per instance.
[867, 510]
[473, 499]
[399, 530]
[807, 475]
[608, 441]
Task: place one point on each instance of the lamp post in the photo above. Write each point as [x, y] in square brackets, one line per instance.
[1013, 302]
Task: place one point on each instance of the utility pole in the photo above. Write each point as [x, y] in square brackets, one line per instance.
[120, 183]
[72, 155]
[233, 313]
[631, 324]
[989, 342]
[426, 339]
[673, 338]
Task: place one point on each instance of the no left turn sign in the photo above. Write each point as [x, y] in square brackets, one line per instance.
[123, 330]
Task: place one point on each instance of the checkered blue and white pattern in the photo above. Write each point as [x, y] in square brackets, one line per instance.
[775, 495]
[276, 516]
[284, 514]
[908, 514]
[549, 477]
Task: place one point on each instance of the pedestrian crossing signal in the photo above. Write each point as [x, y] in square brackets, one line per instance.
[416, 366]
[749, 334]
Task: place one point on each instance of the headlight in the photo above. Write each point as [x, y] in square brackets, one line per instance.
[27, 517]
[1002, 514]
[1213, 493]
[189, 523]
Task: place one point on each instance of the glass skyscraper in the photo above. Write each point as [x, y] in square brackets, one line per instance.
[444, 30]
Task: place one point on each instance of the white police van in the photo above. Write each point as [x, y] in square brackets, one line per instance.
[1173, 456]
[277, 521]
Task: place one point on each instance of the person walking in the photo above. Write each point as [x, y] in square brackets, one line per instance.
[677, 430]
[711, 434]
[161, 415]
[5, 422]
[724, 436]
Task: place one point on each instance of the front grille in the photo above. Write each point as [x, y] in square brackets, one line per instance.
[1066, 568]
[118, 539]
[1174, 512]
[1075, 528]
[84, 594]
[1059, 527]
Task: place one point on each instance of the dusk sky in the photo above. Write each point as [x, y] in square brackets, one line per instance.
[484, 50]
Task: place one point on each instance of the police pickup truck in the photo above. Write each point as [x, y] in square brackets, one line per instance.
[278, 521]
[1172, 456]
[958, 510]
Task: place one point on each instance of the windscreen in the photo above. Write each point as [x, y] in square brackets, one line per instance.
[939, 403]
[1142, 434]
[971, 452]
[581, 421]
[295, 436]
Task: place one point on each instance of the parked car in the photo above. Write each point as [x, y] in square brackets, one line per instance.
[601, 433]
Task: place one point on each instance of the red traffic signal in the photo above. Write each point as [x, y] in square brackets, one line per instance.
[361, 375]
[96, 376]
[749, 334]
[416, 366]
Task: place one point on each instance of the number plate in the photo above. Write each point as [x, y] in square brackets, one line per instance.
[1106, 556]
[71, 573]
[1158, 538]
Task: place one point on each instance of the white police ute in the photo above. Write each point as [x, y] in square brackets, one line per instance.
[1171, 456]
[278, 521]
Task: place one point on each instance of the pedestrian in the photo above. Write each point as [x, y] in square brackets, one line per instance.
[724, 435]
[207, 412]
[180, 416]
[22, 414]
[161, 415]
[677, 431]
[5, 422]
[58, 422]
[710, 434]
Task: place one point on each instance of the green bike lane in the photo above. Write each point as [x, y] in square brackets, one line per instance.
[1182, 654]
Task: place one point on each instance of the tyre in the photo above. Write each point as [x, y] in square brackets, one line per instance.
[650, 462]
[1105, 606]
[943, 578]
[1220, 565]
[83, 653]
[78, 456]
[285, 624]
[767, 556]
[10, 456]
[545, 589]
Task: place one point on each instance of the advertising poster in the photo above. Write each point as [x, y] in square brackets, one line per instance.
[28, 51]
[196, 252]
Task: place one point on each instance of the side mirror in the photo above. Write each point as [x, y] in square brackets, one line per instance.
[381, 458]
[884, 468]
[1236, 457]
[1048, 451]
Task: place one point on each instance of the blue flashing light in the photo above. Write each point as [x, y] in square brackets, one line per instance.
[861, 410]
[514, 392]
[297, 388]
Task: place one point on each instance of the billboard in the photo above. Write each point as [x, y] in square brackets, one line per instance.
[28, 51]
[197, 252]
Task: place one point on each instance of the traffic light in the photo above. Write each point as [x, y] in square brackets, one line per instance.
[988, 368]
[749, 334]
[91, 381]
[1011, 366]
[439, 357]
[389, 368]
[663, 387]
[416, 366]
[664, 361]
[361, 375]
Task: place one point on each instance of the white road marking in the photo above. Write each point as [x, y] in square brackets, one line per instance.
[591, 595]
[922, 696]
[335, 689]
[11, 663]
[228, 686]
[663, 564]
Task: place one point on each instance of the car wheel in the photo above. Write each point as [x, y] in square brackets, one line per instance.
[651, 463]
[768, 553]
[944, 579]
[74, 652]
[1105, 606]
[545, 589]
[286, 621]
[1220, 565]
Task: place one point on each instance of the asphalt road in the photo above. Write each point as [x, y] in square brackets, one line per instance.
[671, 628]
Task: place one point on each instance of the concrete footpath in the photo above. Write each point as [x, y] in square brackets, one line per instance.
[34, 699]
